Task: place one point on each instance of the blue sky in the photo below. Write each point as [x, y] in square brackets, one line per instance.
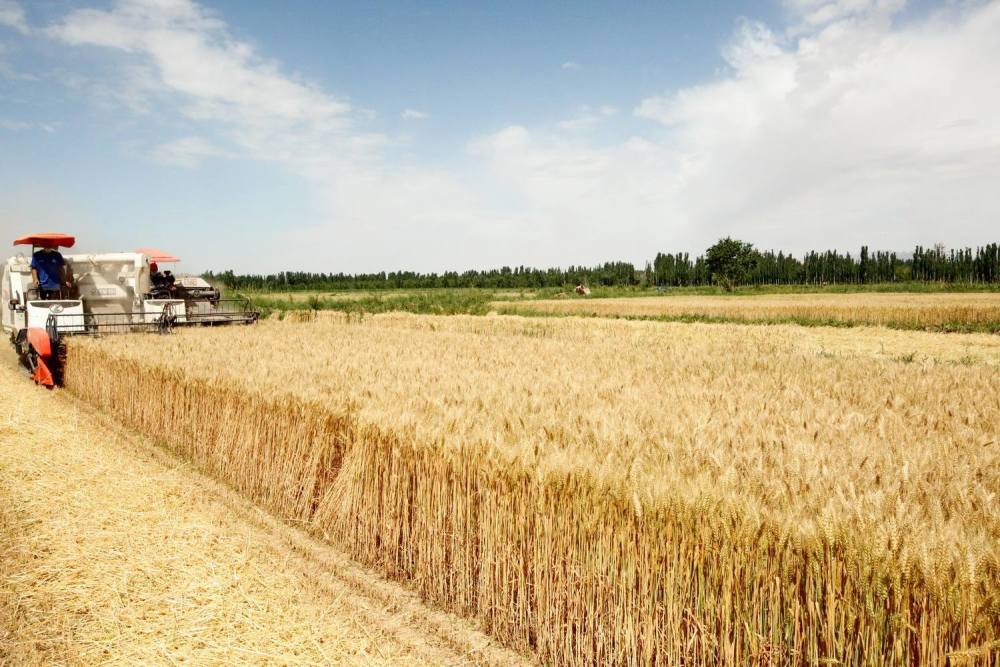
[430, 136]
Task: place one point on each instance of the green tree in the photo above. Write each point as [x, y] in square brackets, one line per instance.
[730, 262]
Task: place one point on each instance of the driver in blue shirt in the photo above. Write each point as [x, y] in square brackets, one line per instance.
[48, 270]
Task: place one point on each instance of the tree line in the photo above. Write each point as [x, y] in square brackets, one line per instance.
[729, 263]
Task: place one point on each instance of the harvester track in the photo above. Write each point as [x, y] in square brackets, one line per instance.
[95, 514]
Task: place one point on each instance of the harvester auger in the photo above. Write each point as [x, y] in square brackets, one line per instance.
[98, 294]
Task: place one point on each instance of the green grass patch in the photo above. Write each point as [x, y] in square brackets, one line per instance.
[426, 302]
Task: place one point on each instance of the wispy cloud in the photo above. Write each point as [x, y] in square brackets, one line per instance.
[14, 125]
[571, 66]
[850, 130]
[587, 117]
[187, 152]
[22, 125]
[180, 59]
[879, 132]
[12, 16]
[217, 77]
[808, 15]
[413, 114]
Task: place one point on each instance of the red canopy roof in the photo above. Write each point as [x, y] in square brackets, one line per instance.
[158, 256]
[47, 240]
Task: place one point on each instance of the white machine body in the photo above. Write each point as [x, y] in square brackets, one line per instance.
[108, 283]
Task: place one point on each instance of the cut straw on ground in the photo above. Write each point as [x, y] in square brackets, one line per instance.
[112, 552]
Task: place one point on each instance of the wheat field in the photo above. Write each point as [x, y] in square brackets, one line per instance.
[114, 552]
[613, 492]
[977, 311]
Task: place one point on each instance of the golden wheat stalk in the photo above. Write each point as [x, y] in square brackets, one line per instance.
[898, 310]
[607, 492]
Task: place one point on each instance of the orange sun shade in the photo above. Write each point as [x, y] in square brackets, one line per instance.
[158, 256]
[48, 240]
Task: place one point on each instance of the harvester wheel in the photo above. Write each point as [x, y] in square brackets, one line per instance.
[28, 361]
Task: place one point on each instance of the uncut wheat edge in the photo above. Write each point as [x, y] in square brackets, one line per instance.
[563, 565]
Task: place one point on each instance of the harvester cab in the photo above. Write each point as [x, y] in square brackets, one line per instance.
[103, 293]
[200, 298]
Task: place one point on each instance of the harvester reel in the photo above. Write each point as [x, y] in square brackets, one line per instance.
[166, 321]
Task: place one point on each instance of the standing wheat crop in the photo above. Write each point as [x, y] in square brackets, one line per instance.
[608, 492]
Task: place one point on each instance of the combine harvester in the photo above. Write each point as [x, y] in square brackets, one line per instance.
[107, 293]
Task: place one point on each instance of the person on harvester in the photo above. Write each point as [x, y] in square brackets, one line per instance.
[49, 272]
[155, 277]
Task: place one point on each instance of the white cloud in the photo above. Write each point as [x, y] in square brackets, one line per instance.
[12, 16]
[587, 117]
[187, 152]
[847, 130]
[853, 127]
[14, 125]
[810, 14]
[754, 42]
[21, 125]
[413, 114]
[180, 59]
[194, 56]
[584, 203]
[858, 132]
[571, 66]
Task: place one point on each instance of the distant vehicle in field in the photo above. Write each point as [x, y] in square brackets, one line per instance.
[194, 290]
[97, 294]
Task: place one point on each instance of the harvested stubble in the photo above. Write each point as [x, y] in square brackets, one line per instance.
[609, 492]
[110, 555]
[973, 311]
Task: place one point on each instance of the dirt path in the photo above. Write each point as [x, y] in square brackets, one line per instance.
[113, 552]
